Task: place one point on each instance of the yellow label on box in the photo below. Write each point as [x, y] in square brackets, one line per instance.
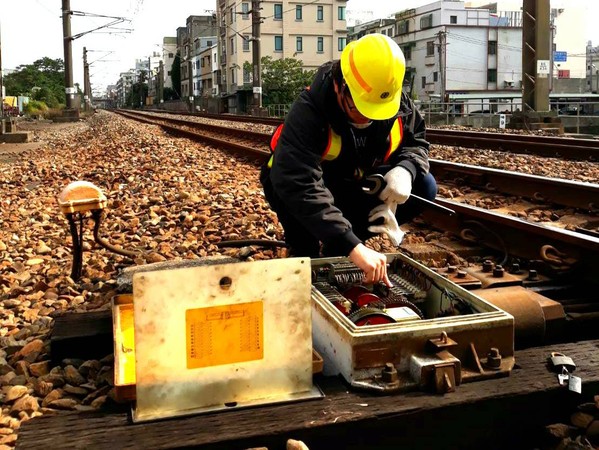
[127, 340]
[225, 334]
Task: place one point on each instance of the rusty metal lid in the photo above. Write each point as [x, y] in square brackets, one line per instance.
[81, 196]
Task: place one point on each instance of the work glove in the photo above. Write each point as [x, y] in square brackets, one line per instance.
[399, 186]
[390, 227]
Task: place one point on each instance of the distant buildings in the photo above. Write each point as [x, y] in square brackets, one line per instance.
[454, 49]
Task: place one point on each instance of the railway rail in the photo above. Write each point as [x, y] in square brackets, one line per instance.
[560, 147]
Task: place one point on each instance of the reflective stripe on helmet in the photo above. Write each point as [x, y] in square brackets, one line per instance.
[354, 70]
[395, 137]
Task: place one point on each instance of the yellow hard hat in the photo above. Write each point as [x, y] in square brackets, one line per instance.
[373, 68]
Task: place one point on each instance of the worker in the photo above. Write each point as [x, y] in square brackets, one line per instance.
[352, 122]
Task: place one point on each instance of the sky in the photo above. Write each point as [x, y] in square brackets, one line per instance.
[32, 29]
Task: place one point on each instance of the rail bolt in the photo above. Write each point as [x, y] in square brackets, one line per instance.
[533, 275]
[389, 373]
[494, 359]
[498, 271]
[487, 265]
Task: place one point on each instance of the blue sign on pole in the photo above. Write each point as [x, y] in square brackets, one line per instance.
[560, 56]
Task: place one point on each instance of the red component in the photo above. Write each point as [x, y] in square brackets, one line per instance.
[354, 292]
[365, 299]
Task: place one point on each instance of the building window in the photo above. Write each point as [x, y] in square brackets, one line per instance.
[453, 20]
[407, 51]
[423, 82]
[233, 78]
[232, 42]
[492, 49]
[435, 76]
[170, 55]
[341, 43]
[245, 8]
[247, 75]
[278, 43]
[492, 75]
[403, 27]
[246, 42]
[298, 12]
[426, 22]
[299, 44]
[320, 44]
[278, 11]
[320, 13]
[341, 12]
[208, 43]
[232, 14]
[430, 48]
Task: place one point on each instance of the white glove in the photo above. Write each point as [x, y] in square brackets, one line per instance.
[390, 227]
[399, 186]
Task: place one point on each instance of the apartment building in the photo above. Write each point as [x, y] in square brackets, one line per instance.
[169, 49]
[190, 44]
[313, 32]
[123, 87]
[453, 51]
[208, 85]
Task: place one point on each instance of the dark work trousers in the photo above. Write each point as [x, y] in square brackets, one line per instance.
[355, 205]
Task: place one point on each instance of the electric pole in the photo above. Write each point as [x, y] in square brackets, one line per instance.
[68, 58]
[442, 62]
[160, 81]
[1, 79]
[536, 30]
[257, 84]
[86, 84]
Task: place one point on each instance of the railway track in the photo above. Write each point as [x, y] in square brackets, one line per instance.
[559, 147]
[558, 266]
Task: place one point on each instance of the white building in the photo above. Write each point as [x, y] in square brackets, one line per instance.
[570, 31]
[169, 49]
[453, 51]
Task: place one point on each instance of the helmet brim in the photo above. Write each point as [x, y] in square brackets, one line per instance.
[378, 111]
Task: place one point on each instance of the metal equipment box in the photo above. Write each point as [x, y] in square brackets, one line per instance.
[425, 332]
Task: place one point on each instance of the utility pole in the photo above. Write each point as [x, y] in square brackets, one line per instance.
[86, 84]
[257, 69]
[442, 62]
[70, 111]
[535, 55]
[1, 79]
[160, 81]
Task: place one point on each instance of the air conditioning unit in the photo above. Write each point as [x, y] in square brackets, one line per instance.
[509, 83]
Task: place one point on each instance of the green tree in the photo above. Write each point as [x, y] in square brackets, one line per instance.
[137, 96]
[46, 75]
[170, 94]
[282, 79]
[176, 74]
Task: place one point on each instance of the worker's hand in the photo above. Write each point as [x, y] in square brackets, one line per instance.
[399, 186]
[390, 227]
[373, 264]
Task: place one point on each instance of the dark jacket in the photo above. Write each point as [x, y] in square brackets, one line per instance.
[305, 183]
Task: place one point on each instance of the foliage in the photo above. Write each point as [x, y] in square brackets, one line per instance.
[170, 94]
[46, 74]
[36, 108]
[176, 75]
[137, 96]
[282, 79]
